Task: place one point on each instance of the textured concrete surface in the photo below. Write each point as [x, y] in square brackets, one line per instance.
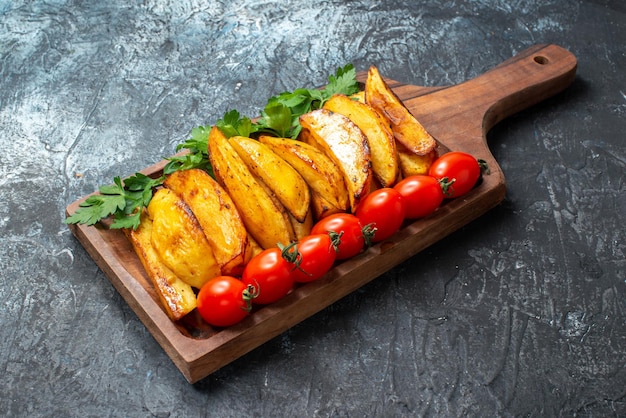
[521, 313]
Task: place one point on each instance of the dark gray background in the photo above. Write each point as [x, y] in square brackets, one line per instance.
[521, 313]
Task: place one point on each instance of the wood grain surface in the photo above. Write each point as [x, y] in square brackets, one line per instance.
[458, 116]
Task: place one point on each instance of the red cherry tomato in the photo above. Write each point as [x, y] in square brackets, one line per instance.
[224, 301]
[384, 209]
[316, 255]
[270, 273]
[458, 167]
[350, 229]
[422, 194]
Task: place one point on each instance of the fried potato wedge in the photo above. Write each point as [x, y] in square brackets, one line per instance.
[278, 175]
[406, 129]
[344, 143]
[179, 240]
[412, 164]
[217, 215]
[302, 229]
[264, 220]
[255, 248]
[281, 208]
[322, 207]
[319, 171]
[378, 133]
[177, 297]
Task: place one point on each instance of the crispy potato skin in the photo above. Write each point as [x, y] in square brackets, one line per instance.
[344, 143]
[177, 297]
[179, 240]
[322, 207]
[266, 222]
[255, 248]
[379, 136]
[413, 164]
[290, 219]
[280, 177]
[217, 215]
[320, 172]
[302, 229]
[406, 129]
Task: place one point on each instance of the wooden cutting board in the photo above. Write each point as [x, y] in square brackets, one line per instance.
[459, 117]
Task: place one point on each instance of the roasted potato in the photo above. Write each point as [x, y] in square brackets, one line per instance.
[378, 133]
[179, 240]
[278, 175]
[406, 129]
[292, 221]
[321, 207]
[319, 171]
[217, 215]
[344, 143]
[302, 229]
[255, 248]
[411, 164]
[264, 220]
[177, 297]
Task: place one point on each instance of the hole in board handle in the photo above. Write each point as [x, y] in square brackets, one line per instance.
[541, 60]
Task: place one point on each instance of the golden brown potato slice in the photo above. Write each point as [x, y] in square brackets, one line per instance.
[319, 171]
[264, 220]
[255, 248]
[406, 129]
[288, 216]
[412, 164]
[378, 133]
[179, 240]
[279, 176]
[344, 143]
[217, 215]
[302, 229]
[322, 207]
[177, 297]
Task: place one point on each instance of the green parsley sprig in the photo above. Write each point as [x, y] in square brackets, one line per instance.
[233, 124]
[281, 115]
[196, 157]
[125, 201]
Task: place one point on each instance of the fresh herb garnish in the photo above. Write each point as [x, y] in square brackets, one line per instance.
[280, 117]
[125, 201]
[233, 124]
[196, 157]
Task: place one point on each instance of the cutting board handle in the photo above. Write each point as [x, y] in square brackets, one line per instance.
[472, 108]
[460, 116]
[528, 78]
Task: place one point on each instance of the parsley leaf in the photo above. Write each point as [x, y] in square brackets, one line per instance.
[233, 124]
[276, 119]
[125, 201]
[281, 114]
[198, 155]
[343, 82]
